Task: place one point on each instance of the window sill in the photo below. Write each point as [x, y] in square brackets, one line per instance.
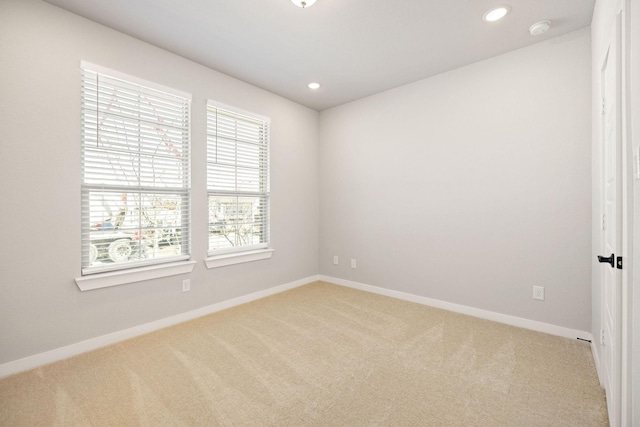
[238, 258]
[115, 278]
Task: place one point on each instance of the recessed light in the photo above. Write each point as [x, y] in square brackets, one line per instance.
[314, 85]
[496, 13]
[303, 3]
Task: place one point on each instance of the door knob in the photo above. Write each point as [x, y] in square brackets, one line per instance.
[608, 260]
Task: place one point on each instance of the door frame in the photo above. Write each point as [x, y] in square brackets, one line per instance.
[630, 364]
[611, 340]
[606, 13]
[626, 30]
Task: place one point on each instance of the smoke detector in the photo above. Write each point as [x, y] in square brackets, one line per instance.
[303, 3]
[539, 28]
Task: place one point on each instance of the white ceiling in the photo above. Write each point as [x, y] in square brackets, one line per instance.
[354, 48]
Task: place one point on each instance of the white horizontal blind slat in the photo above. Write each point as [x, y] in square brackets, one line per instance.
[135, 174]
[237, 181]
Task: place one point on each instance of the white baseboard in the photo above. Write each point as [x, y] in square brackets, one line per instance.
[65, 352]
[463, 309]
[596, 361]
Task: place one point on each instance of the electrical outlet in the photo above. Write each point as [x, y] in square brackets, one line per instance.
[538, 292]
[186, 285]
[335, 259]
[353, 263]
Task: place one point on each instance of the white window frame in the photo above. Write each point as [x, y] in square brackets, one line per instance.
[239, 254]
[130, 271]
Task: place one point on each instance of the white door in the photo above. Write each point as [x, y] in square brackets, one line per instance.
[612, 224]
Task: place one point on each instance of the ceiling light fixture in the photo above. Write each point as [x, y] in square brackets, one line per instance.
[314, 85]
[539, 28]
[303, 3]
[496, 13]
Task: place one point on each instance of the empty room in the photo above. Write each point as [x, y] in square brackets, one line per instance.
[320, 213]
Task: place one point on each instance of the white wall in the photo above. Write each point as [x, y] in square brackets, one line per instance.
[469, 187]
[41, 308]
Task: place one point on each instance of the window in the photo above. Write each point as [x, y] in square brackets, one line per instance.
[135, 172]
[237, 181]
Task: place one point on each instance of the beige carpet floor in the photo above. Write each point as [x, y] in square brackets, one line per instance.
[318, 355]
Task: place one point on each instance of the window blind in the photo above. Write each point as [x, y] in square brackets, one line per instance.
[135, 173]
[237, 181]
